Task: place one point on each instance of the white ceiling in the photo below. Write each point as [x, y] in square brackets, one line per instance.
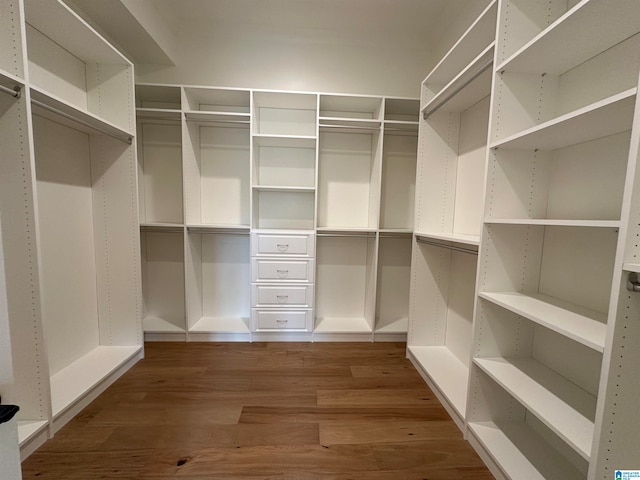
[410, 23]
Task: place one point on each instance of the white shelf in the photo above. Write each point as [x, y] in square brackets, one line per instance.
[399, 325]
[342, 325]
[346, 231]
[522, 453]
[157, 114]
[470, 94]
[47, 105]
[473, 240]
[276, 188]
[481, 31]
[580, 324]
[446, 371]
[288, 141]
[551, 222]
[600, 119]
[74, 381]
[563, 407]
[218, 228]
[234, 118]
[221, 325]
[159, 325]
[631, 267]
[362, 123]
[401, 127]
[582, 32]
[160, 225]
[27, 429]
[59, 23]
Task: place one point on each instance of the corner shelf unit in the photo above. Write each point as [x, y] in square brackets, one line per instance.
[69, 211]
[219, 167]
[450, 175]
[535, 375]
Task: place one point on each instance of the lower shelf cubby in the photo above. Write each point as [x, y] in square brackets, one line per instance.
[345, 285]
[441, 319]
[218, 286]
[514, 442]
[392, 292]
[163, 282]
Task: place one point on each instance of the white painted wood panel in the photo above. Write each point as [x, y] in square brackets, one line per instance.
[67, 240]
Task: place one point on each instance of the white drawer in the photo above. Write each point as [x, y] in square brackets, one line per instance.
[285, 244]
[282, 296]
[280, 270]
[281, 320]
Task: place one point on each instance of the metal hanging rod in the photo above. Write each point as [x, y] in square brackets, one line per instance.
[14, 92]
[448, 247]
[427, 113]
[347, 235]
[126, 138]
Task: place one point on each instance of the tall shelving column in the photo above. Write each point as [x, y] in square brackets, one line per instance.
[349, 184]
[159, 140]
[29, 368]
[217, 188]
[450, 176]
[557, 193]
[283, 202]
[69, 215]
[87, 216]
[395, 225]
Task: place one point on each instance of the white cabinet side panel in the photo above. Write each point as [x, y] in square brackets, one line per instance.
[345, 169]
[192, 187]
[398, 181]
[17, 202]
[67, 241]
[470, 175]
[113, 169]
[586, 180]
[572, 255]
[55, 70]
[394, 274]
[225, 276]
[429, 295]
[109, 93]
[462, 283]
[162, 173]
[224, 157]
[164, 275]
[341, 276]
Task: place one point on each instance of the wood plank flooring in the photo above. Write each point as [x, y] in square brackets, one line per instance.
[272, 411]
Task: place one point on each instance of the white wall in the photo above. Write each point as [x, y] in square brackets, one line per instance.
[262, 59]
[265, 55]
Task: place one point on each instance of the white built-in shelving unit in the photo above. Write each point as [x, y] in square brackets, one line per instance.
[69, 214]
[532, 361]
[450, 180]
[244, 225]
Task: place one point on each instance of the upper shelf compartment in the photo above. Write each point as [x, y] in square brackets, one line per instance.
[580, 32]
[71, 63]
[350, 112]
[401, 116]
[475, 39]
[288, 114]
[11, 55]
[218, 105]
[158, 102]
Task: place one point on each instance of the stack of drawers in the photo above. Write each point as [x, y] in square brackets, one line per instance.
[282, 276]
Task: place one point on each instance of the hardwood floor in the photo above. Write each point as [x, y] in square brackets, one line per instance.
[273, 411]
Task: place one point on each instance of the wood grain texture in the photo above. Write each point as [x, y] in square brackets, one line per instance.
[263, 411]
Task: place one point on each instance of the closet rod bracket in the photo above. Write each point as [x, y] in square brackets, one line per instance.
[633, 283]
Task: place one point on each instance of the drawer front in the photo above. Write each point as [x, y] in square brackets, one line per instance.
[273, 244]
[277, 270]
[281, 320]
[282, 296]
